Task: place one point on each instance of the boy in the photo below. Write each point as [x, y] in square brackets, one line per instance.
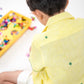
[57, 54]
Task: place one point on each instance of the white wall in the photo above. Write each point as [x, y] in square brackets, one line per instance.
[76, 8]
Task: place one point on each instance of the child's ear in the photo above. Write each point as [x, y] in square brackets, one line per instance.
[42, 17]
[38, 14]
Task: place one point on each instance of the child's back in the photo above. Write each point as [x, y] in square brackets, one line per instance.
[60, 56]
[57, 54]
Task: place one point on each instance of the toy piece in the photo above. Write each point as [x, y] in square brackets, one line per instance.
[6, 40]
[0, 15]
[3, 42]
[0, 33]
[12, 27]
[28, 55]
[32, 28]
[23, 19]
[33, 18]
[0, 8]
[14, 32]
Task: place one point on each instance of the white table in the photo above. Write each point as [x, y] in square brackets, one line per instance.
[15, 58]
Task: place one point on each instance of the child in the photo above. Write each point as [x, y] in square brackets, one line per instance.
[57, 54]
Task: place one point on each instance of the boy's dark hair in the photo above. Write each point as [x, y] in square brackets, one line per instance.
[49, 7]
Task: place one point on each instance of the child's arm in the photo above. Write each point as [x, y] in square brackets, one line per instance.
[8, 83]
[9, 77]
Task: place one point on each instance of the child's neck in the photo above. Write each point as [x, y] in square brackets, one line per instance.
[47, 17]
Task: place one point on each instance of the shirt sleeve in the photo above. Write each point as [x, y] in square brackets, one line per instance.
[36, 58]
[25, 77]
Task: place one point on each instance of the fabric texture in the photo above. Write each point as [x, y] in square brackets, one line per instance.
[57, 54]
[25, 77]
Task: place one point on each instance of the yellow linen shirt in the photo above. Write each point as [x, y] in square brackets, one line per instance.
[57, 54]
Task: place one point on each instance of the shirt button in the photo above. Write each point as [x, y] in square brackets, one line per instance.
[70, 63]
[46, 37]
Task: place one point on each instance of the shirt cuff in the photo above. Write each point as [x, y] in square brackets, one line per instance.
[25, 77]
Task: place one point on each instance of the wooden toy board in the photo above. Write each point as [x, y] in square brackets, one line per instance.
[12, 27]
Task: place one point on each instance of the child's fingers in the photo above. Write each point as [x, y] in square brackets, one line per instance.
[8, 83]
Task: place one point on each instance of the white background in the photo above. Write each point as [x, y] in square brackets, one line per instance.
[15, 58]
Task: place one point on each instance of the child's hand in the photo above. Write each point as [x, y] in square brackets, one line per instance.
[9, 77]
[2, 78]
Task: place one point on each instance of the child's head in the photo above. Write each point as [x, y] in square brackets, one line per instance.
[43, 9]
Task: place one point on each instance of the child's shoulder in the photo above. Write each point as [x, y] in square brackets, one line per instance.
[80, 21]
[39, 39]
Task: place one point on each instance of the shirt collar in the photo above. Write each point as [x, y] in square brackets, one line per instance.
[57, 18]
